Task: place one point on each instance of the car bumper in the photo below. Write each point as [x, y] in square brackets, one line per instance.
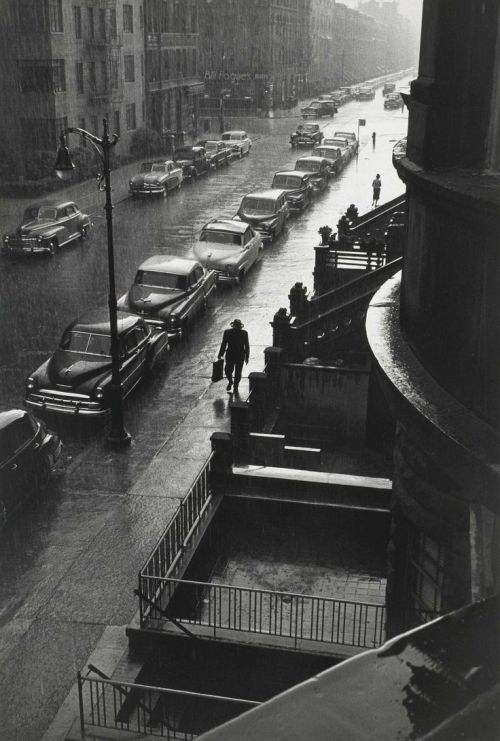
[153, 191]
[296, 205]
[66, 405]
[26, 248]
[305, 141]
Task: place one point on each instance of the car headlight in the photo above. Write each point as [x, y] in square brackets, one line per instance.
[229, 267]
[6, 239]
[39, 238]
[31, 384]
[99, 393]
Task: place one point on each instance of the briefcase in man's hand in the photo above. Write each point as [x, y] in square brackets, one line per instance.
[218, 370]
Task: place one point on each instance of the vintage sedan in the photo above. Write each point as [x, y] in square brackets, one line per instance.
[297, 188]
[218, 153]
[319, 108]
[318, 170]
[238, 141]
[168, 292]
[366, 93]
[389, 87]
[230, 247]
[76, 379]
[393, 102]
[28, 453]
[193, 161]
[266, 210]
[351, 138]
[308, 134]
[337, 157]
[156, 178]
[46, 226]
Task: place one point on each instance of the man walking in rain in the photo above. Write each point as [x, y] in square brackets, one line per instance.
[376, 185]
[237, 350]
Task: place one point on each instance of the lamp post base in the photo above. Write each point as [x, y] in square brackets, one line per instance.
[121, 439]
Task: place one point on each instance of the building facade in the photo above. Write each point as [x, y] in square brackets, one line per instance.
[70, 64]
[257, 50]
[173, 84]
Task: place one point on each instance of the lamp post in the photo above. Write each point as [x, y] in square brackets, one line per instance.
[221, 99]
[64, 167]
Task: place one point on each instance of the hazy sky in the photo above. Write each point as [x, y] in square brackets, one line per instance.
[411, 8]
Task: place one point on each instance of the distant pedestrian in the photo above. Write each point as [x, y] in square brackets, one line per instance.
[237, 351]
[376, 185]
[374, 136]
[402, 104]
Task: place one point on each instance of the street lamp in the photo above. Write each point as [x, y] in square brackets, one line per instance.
[64, 168]
[221, 93]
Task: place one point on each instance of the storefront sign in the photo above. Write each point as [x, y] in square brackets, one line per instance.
[215, 75]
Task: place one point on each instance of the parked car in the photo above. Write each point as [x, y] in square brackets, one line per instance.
[351, 138]
[366, 93]
[389, 87]
[297, 187]
[307, 134]
[392, 102]
[45, 227]
[336, 157]
[76, 379]
[318, 170]
[229, 246]
[156, 178]
[266, 210]
[192, 160]
[168, 292]
[28, 453]
[218, 153]
[319, 108]
[238, 141]
[346, 149]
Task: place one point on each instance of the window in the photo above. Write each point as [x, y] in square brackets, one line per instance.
[55, 16]
[82, 125]
[104, 74]
[128, 19]
[31, 16]
[128, 61]
[112, 21]
[77, 15]
[41, 75]
[141, 17]
[116, 122]
[92, 75]
[102, 23]
[428, 589]
[130, 116]
[79, 77]
[114, 73]
[90, 17]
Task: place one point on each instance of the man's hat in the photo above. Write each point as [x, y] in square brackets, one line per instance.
[237, 323]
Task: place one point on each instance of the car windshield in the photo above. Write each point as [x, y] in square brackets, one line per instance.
[87, 343]
[258, 205]
[184, 154]
[146, 166]
[307, 166]
[287, 181]
[223, 238]
[211, 146]
[310, 128]
[159, 168]
[232, 137]
[328, 152]
[315, 105]
[40, 212]
[337, 142]
[160, 280]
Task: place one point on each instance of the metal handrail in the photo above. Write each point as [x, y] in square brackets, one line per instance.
[282, 614]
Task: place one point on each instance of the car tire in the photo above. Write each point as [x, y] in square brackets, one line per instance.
[240, 153]
[241, 275]
[84, 233]
[53, 246]
[43, 473]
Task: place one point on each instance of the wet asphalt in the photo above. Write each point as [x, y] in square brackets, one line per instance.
[69, 561]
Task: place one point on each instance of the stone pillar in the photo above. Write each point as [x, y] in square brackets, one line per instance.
[240, 429]
[281, 329]
[320, 273]
[222, 462]
[273, 357]
[259, 387]
[299, 307]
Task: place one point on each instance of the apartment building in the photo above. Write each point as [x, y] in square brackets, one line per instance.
[70, 64]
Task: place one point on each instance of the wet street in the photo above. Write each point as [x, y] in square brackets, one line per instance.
[68, 562]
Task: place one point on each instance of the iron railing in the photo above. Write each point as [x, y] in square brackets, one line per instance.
[176, 536]
[153, 711]
[284, 614]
